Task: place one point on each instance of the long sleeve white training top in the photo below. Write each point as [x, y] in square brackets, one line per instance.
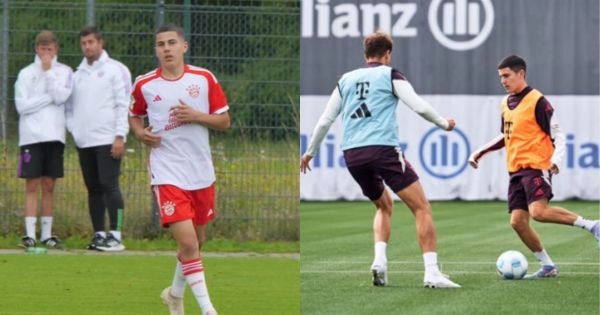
[40, 98]
[402, 88]
[98, 108]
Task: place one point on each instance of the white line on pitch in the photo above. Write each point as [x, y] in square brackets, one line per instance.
[451, 272]
[325, 262]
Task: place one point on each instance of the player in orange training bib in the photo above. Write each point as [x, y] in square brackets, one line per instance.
[535, 146]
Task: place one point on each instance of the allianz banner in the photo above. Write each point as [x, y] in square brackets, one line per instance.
[449, 51]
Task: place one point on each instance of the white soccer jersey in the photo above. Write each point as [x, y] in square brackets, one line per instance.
[183, 158]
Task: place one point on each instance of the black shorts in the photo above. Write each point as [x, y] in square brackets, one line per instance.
[44, 159]
[371, 166]
[527, 186]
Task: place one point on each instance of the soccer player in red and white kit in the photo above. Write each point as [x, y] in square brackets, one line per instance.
[182, 102]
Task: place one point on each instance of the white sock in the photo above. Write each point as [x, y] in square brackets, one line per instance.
[584, 223]
[380, 254]
[116, 234]
[194, 275]
[46, 228]
[178, 285]
[101, 233]
[430, 260]
[544, 258]
[30, 226]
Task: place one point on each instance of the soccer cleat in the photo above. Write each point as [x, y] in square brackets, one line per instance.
[111, 244]
[379, 275]
[436, 279]
[544, 272]
[27, 242]
[53, 242]
[596, 231]
[175, 304]
[98, 240]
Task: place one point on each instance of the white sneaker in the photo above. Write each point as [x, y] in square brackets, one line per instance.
[379, 272]
[435, 279]
[175, 304]
[111, 244]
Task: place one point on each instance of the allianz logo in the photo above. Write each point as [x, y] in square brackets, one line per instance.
[456, 24]
[444, 155]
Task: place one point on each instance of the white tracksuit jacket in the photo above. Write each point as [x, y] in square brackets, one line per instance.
[40, 98]
[98, 108]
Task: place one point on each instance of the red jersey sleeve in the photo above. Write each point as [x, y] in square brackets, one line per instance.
[217, 100]
[138, 103]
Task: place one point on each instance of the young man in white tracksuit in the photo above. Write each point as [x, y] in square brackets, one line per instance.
[41, 90]
[97, 118]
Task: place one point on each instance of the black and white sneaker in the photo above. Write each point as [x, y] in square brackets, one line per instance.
[111, 244]
[98, 240]
[27, 242]
[53, 242]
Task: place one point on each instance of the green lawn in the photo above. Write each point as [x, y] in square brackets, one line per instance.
[84, 284]
[337, 251]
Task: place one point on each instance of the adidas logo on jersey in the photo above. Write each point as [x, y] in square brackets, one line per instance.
[362, 111]
[157, 98]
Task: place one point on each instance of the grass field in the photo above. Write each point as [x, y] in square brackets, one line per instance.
[93, 284]
[337, 251]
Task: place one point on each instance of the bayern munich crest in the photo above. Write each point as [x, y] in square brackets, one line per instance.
[193, 90]
[168, 208]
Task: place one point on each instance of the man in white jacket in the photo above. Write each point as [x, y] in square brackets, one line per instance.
[97, 118]
[41, 90]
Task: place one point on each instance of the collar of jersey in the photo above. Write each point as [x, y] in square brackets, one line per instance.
[186, 68]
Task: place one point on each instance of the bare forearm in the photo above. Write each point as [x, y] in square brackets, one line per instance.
[137, 125]
[217, 122]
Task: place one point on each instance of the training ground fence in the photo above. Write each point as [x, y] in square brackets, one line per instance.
[253, 49]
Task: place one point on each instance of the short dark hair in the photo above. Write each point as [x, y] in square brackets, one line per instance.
[377, 44]
[170, 27]
[514, 62]
[89, 30]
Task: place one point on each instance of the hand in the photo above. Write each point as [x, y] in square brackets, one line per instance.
[185, 113]
[451, 124]
[118, 148]
[554, 169]
[147, 137]
[474, 160]
[46, 62]
[304, 163]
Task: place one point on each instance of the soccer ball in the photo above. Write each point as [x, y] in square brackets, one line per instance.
[512, 265]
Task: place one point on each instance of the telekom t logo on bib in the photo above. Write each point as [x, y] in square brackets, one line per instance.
[464, 24]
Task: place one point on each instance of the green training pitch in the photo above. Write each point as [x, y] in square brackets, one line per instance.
[95, 284]
[337, 251]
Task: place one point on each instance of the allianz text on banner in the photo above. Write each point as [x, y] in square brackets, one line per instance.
[440, 158]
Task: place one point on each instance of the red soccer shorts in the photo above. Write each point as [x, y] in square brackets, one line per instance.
[177, 204]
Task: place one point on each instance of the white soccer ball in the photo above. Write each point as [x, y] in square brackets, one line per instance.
[512, 265]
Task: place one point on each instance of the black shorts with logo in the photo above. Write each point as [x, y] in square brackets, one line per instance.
[372, 166]
[527, 186]
[43, 159]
